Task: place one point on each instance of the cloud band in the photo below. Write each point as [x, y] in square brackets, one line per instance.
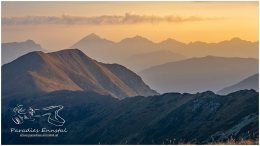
[99, 20]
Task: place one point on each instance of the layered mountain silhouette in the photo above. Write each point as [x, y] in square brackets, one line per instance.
[171, 118]
[115, 52]
[138, 48]
[251, 82]
[199, 74]
[13, 50]
[235, 47]
[95, 45]
[135, 47]
[110, 104]
[146, 60]
[71, 69]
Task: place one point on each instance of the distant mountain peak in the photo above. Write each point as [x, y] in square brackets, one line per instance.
[91, 39]
[206, 57]
[22, 42]
[13, 50]
[136, 38]
[211, 56]
[171, 41]
[30, 41]
[218, 57]
[236, 39]
[92, 36]
[197, 43]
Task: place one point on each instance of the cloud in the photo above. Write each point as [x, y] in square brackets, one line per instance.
[128, 18]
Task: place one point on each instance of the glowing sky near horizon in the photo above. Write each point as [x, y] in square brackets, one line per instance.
[157, 21]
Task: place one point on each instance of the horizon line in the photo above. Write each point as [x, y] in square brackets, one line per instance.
[139, 36]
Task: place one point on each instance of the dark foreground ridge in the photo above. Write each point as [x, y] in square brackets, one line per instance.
[171, 118]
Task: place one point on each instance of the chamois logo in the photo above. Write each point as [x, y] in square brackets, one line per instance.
[22, 114]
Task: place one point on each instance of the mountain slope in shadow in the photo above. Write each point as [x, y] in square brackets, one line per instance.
[199, 74]
[251, 82]
[70, 70]
[142, 61]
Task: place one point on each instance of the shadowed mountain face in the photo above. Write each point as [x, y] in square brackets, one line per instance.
[146, 60]
[199, 74]
[251, 82]
[11, 51]
[139, 48]
[171, 118]
[69, 70]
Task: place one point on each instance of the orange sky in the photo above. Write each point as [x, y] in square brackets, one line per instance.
[192, 21]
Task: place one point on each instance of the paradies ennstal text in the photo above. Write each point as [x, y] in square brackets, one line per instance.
[41, 130]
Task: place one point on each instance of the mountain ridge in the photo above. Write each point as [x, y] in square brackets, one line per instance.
[120, 52]
[199, 74]
[146, 60]
[70, 70]
[171, 118]
[251, 82]
[13, 50]
[139, 37]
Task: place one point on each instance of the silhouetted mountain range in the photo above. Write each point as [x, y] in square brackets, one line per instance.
[199, 74]
[251, 82]
[171, 118]
[13, 50]
[69, 70]
[139, 47]
[120, 52]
